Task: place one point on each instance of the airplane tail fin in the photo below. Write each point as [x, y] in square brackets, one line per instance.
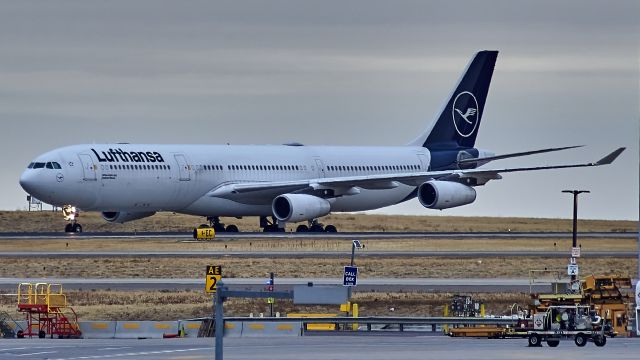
[457, 123]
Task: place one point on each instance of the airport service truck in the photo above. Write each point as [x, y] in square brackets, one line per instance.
[567, 322]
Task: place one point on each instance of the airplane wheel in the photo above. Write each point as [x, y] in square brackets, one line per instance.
[68, 228]
[76, 228]
[269, 228]
[219, 228]
[330, 229]
[302, 228]
[316, 228]
[231, 228]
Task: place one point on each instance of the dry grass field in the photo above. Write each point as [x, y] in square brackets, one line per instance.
[165, 305]
[405, 267]
[49, 221]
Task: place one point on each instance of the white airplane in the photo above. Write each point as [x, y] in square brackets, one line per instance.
[281, 183]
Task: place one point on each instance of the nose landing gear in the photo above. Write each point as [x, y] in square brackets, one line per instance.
[71, 214]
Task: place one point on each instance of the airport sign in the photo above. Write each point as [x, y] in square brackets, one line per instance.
[575, 252]
[572, 269]
[350, 277]
[213, 276]
[204, 233]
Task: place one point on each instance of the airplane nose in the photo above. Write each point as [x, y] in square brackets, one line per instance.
[29, 181]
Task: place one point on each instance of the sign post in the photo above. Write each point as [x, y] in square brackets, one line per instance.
[270, 300]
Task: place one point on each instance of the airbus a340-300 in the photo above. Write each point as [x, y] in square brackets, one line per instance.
[282, 184]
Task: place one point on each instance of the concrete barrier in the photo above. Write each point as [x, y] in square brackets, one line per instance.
[157, 329]
[145, 329]
[257, 329]
[190, 328]
[128, 330]
[233, 328]
[97, 329]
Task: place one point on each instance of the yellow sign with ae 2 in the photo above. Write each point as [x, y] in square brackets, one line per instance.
[213, 276]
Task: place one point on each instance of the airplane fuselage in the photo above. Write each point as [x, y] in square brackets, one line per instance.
[136, 178]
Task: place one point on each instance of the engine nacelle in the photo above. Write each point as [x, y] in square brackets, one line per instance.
[440, 195]
[124, 216]
[299, 207]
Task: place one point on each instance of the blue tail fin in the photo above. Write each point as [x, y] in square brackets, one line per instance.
[457, 124]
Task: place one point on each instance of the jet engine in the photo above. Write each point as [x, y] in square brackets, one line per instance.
[299, 207]
[445, 194]
[124, 216]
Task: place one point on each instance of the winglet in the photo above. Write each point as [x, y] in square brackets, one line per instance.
[611, 157]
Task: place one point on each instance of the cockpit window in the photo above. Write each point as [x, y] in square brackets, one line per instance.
[49, 165]
[38, 165]
[30, 166]
[56, 165]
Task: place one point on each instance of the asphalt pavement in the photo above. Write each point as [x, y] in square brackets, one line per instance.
[368, 347]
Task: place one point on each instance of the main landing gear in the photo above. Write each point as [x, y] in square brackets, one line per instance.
[215, 223]
[315, 226]
[71, 214]
[270, 226]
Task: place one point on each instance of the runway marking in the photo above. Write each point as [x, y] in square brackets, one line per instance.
[9, 349]
[36, 353]
[141, 353]
[115, 348]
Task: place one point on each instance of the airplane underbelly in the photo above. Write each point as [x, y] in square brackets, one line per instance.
[371, 199]
[211, 206]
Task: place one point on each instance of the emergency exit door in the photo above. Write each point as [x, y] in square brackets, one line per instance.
[183, 167]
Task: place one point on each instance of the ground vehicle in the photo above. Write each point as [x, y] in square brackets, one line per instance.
[563, 322]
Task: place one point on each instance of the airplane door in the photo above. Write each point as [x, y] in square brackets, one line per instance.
[88, 167]
[320, 167]
[183, 167]
[423, 162]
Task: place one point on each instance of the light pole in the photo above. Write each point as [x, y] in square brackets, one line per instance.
[575, 222]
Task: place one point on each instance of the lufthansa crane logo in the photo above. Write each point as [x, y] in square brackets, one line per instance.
[465, 113]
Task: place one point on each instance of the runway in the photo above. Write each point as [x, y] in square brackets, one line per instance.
[381, 346]
[493, 285]
[314, 254]
[308, 235]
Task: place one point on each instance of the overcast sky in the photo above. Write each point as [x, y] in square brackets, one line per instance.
[331, 72]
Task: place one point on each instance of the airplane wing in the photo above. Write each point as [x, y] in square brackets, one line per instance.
[512, 155]
[336, 186]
